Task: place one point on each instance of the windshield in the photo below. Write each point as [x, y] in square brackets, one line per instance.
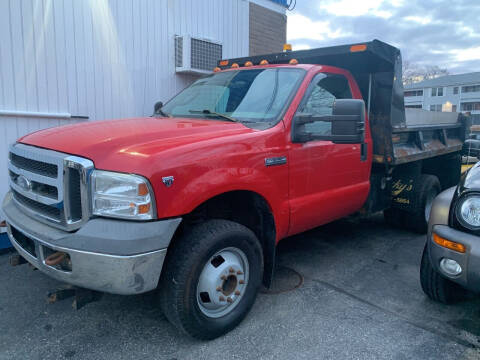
[247, 96]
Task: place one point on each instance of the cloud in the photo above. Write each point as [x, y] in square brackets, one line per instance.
[298, 26]
[428, 32]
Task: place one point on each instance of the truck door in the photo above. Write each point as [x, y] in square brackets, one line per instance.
[327, 180]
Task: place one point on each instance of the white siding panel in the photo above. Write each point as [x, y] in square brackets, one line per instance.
[100, 58]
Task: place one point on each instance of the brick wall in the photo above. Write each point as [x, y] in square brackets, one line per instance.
[268, 30]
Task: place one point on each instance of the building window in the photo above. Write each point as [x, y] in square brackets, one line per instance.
[454, 108]
[413, 106]
[470, 106]
[455, 90]
[470, 88]
[413, 93]
[437, 91]
[437, 107]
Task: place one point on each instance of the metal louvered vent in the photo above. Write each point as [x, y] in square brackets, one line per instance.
[205, 54]
[195, 55]
[178, 51]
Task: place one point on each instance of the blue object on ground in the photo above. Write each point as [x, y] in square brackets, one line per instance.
[4, 242]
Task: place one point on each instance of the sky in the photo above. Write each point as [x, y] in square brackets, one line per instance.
[428, 32]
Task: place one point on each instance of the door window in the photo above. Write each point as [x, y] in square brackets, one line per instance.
[319, 100]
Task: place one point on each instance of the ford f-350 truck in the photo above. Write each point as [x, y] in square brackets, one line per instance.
[193, 200]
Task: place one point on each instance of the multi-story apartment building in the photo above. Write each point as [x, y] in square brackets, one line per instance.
[458, 93]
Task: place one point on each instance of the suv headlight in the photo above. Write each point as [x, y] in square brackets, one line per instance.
[468, 212]
[123, 196]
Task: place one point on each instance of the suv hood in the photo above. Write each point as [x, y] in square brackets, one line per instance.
[107, 141]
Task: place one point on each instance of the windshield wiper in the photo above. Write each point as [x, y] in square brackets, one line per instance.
[208, 112]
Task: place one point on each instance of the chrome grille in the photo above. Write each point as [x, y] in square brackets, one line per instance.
[50, 186]
[35, 166]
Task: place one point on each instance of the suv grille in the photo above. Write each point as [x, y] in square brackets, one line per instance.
[49, 186]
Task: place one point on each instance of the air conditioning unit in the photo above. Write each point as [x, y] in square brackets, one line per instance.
[196, 55]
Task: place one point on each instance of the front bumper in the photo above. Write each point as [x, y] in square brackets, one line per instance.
[114, 256]
[469, 278]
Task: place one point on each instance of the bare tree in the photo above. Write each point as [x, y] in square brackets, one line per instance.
[414, 73]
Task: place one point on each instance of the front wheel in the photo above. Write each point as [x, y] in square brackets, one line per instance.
[211, 278]
[435, 286]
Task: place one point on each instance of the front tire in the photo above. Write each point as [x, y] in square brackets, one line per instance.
[211, 278]
[435, 286]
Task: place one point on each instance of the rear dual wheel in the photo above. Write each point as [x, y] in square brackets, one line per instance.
[211, 278]
[427, 187]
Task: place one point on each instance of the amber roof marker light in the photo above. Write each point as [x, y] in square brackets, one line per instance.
[217, 69]
[264, 62]
[248, 63]
[235, 65]
[223, 63]
[293, 62]
[358, 48]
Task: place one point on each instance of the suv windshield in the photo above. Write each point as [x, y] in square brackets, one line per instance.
[247, 96]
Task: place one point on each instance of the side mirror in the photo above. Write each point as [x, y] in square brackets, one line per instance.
[349, 127]
[158, 105]
[347, 123]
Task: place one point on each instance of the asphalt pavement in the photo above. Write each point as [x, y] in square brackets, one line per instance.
[360, 299]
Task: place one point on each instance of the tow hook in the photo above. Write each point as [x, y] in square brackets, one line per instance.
[55, 258]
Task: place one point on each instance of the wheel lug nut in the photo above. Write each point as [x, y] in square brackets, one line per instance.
[237, 292]
[221, 298]
[229, 299]
[232, 270]
[239, 272]
[241, 282]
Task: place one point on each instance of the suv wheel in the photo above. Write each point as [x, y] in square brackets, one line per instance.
[435, 286]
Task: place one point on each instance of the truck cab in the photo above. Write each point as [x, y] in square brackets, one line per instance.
[192, 201]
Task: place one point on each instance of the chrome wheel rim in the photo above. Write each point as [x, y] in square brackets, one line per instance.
[222, 282]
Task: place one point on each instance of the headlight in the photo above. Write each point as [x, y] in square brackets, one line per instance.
[122, 196]
[468, 212]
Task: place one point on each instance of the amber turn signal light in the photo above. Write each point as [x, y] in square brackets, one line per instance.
[452, 245]
[142, 189]
[144, 209]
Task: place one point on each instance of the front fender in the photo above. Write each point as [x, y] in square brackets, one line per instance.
[184, 196]
[441, 209]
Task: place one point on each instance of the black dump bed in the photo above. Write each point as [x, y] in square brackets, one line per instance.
[399, 136]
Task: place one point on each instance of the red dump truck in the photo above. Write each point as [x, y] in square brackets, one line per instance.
[193, 200]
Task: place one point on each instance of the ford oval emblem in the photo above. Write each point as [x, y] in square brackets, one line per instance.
[23, 183]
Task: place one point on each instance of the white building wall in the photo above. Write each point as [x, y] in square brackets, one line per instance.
[100, 58]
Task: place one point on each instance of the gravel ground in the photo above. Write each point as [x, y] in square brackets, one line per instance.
[360, 299]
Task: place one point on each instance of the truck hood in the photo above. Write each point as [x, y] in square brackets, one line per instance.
[104, 141]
